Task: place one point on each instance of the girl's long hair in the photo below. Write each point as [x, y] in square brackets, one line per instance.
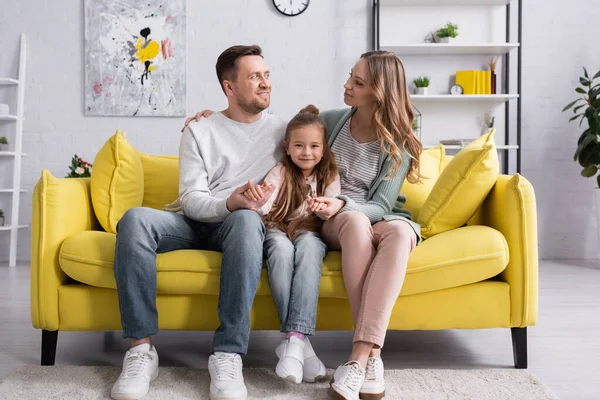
[294, 188]
[394, 115]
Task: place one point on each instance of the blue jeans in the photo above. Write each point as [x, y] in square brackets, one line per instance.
[294, 277]
[142, 233]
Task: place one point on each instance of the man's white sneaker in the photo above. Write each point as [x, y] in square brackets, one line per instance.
[314, 369]
[347, 381]
[373, 388]
[140, 367]
[226, 378]
[291, 359]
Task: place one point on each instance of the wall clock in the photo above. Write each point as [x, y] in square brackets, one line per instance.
[291, 8]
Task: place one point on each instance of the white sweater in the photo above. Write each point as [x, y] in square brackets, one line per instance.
[218, 155]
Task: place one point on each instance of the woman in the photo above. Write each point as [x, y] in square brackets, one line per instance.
[376, 150]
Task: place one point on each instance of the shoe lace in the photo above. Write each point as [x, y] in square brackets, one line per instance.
[136, 363]
[354, 377]
[373, 370]
[227, 366]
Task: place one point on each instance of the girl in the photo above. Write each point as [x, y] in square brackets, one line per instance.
[293, 250]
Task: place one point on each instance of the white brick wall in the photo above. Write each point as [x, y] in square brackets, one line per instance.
[310, 56]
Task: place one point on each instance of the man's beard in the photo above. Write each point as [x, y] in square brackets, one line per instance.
[252, 107]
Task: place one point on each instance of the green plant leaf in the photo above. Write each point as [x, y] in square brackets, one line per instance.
[575, 117]
[585, 73]
[578, 108]
[597, 75]
[580, 90]
[589, 171]
[570, 105]
[584, 82]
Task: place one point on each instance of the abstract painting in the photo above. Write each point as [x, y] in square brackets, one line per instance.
[135, 57]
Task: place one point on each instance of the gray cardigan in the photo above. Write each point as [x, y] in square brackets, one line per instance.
[385, 202]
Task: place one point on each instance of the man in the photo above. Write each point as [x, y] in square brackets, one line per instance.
[219, 158]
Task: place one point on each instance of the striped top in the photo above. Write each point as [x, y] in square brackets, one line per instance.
[385, 201]
[358, 164]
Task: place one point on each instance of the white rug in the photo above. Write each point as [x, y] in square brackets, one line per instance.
[70, 383]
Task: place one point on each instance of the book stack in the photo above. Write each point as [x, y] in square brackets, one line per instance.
[475, 82]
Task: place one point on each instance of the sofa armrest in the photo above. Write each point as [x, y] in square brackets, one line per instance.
[61, 208]
[511, 209]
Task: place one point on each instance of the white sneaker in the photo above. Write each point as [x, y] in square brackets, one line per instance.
[291, 360]
[226, 378]
[140, 367]
[314, 369]
[373, 388]
[347, 381]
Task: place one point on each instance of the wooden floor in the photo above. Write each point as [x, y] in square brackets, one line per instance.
[564, 348]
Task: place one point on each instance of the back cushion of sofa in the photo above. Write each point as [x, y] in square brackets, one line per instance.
[161, 180]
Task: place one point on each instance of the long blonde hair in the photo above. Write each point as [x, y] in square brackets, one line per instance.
[294, 189]
[394, 115]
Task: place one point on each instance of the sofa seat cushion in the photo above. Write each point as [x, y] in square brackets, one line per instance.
[454, 258]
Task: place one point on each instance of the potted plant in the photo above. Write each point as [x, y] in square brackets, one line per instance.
[421, 85]
[3, 143]
[79, 168]
[1, 217]
[450, 31]
[588, 147]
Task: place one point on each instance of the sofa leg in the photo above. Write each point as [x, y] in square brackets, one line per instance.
[49, 339]
[519, 342]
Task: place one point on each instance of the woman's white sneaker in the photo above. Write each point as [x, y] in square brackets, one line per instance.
[373, 388]
[140, 367]
[291, 359]
[347, 381]
[314, 369]
[226, 378]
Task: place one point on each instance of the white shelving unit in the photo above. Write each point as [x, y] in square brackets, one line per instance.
[444, 2]
[16, 155]
[490, 98]
[403, 26]
[443, 49]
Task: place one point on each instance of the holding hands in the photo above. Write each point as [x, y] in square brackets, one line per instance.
[325, 207]
[250, 197]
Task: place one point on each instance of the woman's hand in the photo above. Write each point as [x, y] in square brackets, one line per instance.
[205, 114]
[325, 207]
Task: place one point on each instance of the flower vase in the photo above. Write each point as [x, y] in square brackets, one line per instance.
[422, 91]
[493, 82]
[2, 220]
[445, 39]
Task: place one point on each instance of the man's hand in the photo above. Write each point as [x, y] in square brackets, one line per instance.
[325, 207]
[205, 114]
[249, 197]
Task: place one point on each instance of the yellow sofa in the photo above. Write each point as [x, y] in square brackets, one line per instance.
[482, 275]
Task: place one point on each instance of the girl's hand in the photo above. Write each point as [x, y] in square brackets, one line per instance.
[205, 114]
[256, 193]
[331, 207]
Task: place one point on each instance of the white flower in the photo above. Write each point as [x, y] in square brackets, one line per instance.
[79, 171]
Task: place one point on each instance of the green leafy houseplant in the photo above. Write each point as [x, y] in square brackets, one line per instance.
[588, 148]
[421, 82]
[449, 31]
[3, 140]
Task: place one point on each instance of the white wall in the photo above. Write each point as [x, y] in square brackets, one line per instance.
[310, 56]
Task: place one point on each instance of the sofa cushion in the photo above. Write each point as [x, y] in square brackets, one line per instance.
[431, 167]
[454, 258]
[461, 188]
[117, 182]
[161, 180]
